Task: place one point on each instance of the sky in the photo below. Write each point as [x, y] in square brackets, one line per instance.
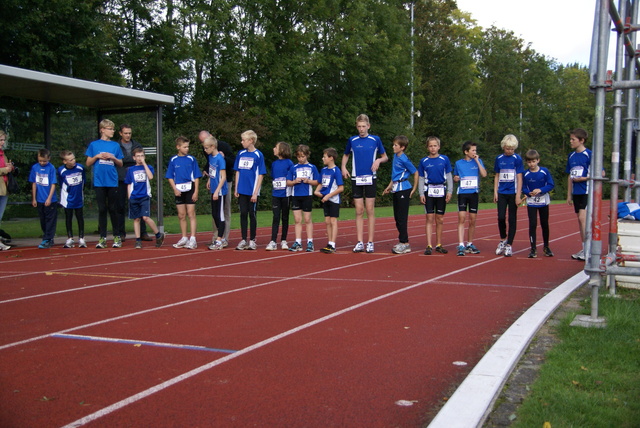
[559, 29]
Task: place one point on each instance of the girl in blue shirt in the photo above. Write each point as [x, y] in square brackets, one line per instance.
[280, 194]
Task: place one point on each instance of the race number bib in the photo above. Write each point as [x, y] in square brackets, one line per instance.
[538, 200]
[303, 173]
[184, 187]
[436, 190]
[245, 163]
[467, 183]
[279, 183]
[74, 179]
[364, 180]
[507, 175]
[577, 171]
[106, 162]
[42, 179]
[140, 176]
[326, 180]
[213, 171]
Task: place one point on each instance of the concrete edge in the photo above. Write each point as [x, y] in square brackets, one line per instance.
[472, 402]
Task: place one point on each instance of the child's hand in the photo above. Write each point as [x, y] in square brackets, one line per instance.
[34, 203]
[423, 199]
[177, 192]
[215, 196]
[386, 190]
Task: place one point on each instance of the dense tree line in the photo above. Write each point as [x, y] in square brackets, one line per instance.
[302, 71]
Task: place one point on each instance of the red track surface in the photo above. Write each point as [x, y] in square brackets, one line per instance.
[320, 340]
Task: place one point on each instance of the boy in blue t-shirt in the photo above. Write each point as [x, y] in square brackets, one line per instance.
[280, 195]
[507, 188]
[43, 181]
[468, 171]
[217, 185]
[536, 185]
[329, 189]
[139, 192]
[578, 168]
[71, 177]
[184, 177]
[401, 170]
[302, 177]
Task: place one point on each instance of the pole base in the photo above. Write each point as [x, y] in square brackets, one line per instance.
[587, 321]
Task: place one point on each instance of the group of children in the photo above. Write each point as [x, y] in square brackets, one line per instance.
[295, 185]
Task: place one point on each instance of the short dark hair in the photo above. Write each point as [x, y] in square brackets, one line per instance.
[332, 153]
[531, 155]
[580, 134]
[402, 141]
[44, 153]
[466, 146]
[181, 139]
[303, 149]
[136, 151]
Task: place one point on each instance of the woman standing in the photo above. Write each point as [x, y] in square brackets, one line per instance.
[5, 168]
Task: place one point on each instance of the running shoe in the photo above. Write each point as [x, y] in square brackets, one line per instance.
[272, 246]
[284, 245]
[5, 237]
[440, 249]
[159, 240]
[401, 248]
[428, 250]
[216, 246]
[369, 249]
[69, 244]
[472, 249]
[242, 245]
[329, 249]
[461, 250]
[46, 243]
[117, 242]
[578, 256]
[533, 254]
[102, 243]
[508, 251]
[181, 243]
[359, 248]
[296, 246]
[82, 243]
[500, 249]
[138, 245]
[192, 244]
[309, 246]
[547, 252]
[4, 247]
[253, 245]
[225, 243]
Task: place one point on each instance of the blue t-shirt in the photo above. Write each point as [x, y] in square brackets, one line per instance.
[401, 170]
[105, 173]
[331, 180]
[137, 176]
[183, 170]
[434, 170]
[306, 170]
[44, 177]
[469, 174]
[508, 168]
[72, 186]
[279, 170]
[365, 151]
[540, 179]
[216, 165]
[578, 165]
[250, 165]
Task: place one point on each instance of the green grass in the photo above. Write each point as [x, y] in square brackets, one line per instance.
[592, 377]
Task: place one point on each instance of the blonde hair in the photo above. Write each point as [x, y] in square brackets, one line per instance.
[432, 138]
[362, 118]
[210, 141]
[250, 135]
[106, 123]
[509, 141]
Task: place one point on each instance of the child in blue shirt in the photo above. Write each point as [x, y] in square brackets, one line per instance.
[401, 171]
[280, 195]
[250, 171]
[302, 177]
[536, 185]
[329, 189]
[71, 177]
[43, 181]
[507, 188]
[139, 192]
[184, 177]
[578, 168]
[217, 185]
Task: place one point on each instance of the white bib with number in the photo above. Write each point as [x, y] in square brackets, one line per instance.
[468, 183]
[74, 179]
[435, 190]
[507, 175]
[106, 162]
[245, 163]
[303, 172]
[184, 187]
[279, 183]
[538, 200]
[42, 179]
[140, 176]
[364, 180]
[577, 171]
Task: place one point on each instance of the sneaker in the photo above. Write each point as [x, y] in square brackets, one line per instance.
[4, 247]
[359, 248]
[46, 243]
[500, 249]
[329, 249]
[296, 246]
[192, 244]
[159, 240]
[532, 254]
[284, 245]
[242, 245]
[428, 250]
[102, 243]
[69, 244]
[181, 243]
[401, 248]
[578, 256]
[461, 250]
[253, 245]
[440, 249]
[472, 249]
[225, 243]
[271, 246]
[369, 249]
[309, 246]
[508, 251]
[117, 242]
[547, 252]
[138, 245]
[6, 238]
[216, 246]
[82, 243]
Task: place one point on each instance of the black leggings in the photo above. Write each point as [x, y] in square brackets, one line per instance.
[507, 201]
[248, 212]
[401, 214]
[217, 212]
[107, 200]
[280, 208]
[68, 217]
[533, 224]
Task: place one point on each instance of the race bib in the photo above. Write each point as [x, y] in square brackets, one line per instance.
[538, 200]
[577, 171]
[213, 171]
[245, 163]
[140, 176]
[326, 180]
[279, 183]
[395, 186]
[184, 187]
[436, 190]
[364, 180]
[467, 183]
[42, 179]
[74, 179]
[507, 175]
[106, 162]
[303, 172]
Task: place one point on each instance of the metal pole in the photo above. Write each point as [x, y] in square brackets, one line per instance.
[412, 74]
[159, 171]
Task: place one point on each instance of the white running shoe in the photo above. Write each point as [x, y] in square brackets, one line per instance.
[578, 256]
[192, 244]
[217, 245]
[242, 245]
[82, 243]
[500, 248]
[252, 245]
[369, 247]
[225, 243]
[359, 248]
[284, 245]
[508, 251]
[271, 246]
[69, 244]
[4, 247]
[181, 243]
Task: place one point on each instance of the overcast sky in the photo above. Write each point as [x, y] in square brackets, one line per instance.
[560, 29]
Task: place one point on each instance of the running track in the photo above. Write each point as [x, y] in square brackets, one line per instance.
[167, 337]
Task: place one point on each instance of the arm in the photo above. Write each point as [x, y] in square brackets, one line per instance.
[376, 164]
[256, 190]
[481, 169]
[496, 179]
[328, 196]
[52, 191]
[235, 193]
[223, 179]
[317, 191]
[173, 186]
[569, 190]
[34, 202]
[518, 188]
[449, 187]
[196, 183]
[416, 178]
[148, 171]
[345, 173]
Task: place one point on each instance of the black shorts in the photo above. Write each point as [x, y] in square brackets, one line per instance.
[435, 205]
[580, 202]
[304, 203]
[185, 198]
[367, 191]
[468, 200]
[331, 209]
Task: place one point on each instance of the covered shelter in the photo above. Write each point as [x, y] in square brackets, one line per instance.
[105, 99]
